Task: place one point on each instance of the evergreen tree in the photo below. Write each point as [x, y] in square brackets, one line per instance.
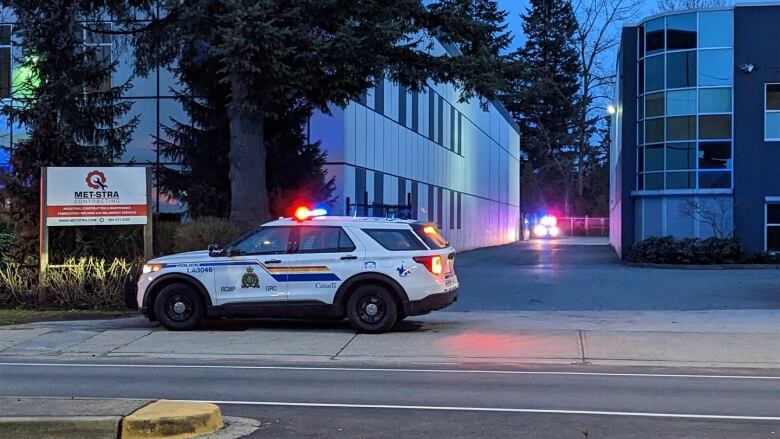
[544, 101]
[275, 54]
[65, 103]
[294, 169]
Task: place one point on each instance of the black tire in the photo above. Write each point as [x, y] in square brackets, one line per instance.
[372, 309]
[179, 307]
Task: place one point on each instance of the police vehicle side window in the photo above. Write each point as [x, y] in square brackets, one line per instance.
[267, 240]
[318, 239]
[395, 240]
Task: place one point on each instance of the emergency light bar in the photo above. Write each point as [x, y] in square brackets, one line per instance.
[303, 213]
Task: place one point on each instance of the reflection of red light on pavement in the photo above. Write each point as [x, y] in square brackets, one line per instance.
[495, 344]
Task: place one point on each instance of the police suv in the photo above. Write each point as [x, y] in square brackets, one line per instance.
[373, 271]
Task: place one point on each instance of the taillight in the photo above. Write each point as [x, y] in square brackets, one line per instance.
[432, 263]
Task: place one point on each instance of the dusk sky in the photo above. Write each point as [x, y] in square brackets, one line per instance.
[517, 7]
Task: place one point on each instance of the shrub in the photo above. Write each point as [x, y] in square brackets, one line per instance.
[18, 285]
[668, 250]
[199, 233]
[6, 242]
[88, 283]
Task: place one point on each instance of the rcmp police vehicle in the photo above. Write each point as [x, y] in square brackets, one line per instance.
[373, 271]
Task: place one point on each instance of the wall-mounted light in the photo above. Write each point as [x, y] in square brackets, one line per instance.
[611, 109]
[747, 68]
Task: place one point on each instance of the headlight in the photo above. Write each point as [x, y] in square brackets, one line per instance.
[150, 268]
[554, 231]
[540, 230]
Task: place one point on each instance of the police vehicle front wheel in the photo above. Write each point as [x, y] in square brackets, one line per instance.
[179, 307]
[372, 309]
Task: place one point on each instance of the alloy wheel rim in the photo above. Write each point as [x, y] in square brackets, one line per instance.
[179, 308]
[371, 309]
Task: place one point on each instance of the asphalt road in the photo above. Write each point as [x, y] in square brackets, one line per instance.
[303, 401]
[571, 274]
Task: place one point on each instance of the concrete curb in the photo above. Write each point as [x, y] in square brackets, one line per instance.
[65, 418]
[172, 419]
[703, 267]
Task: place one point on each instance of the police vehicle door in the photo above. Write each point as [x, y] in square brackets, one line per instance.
[325, 256]
[256, 272]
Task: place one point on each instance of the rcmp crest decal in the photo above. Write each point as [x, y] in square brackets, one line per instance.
[250, 279]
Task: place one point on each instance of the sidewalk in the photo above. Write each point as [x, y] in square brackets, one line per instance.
[746, 338]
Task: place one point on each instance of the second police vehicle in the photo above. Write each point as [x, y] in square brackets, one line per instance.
[373, 271]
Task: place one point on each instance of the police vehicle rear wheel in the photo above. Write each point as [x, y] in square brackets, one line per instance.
[372, 309]
[179, 307]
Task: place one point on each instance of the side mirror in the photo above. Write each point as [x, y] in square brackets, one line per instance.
[232, 251]
[215, 250]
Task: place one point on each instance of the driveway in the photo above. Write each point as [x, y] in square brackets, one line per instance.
[583, 274]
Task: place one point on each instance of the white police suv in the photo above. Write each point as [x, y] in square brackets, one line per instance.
[373, 271]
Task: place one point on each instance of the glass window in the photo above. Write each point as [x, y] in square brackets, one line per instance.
[431, 236]
[97, 33]
[773, 213]
[5, 72]
[654, 130]
[715, 155]
[715, 127]
[395, 240]
[714, 180]
[654, 73]
[641, 81]
[715, 67]
[320, 239]
[641, 38]
[654, 158]
[773, 238]
[681, 31]
[681, 102]
[654, 181]
[715, 100]
[773, 96]
[680, 155]
[680, 180]
[681, 69]
[772, 125]
[5, 35]
[640, 108]
[655, 104]
[716, 29]
[267, 240]
[640, 132]
[681, 128]
[655, 35]
[773, 227]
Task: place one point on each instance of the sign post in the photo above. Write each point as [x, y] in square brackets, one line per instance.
[95, 196]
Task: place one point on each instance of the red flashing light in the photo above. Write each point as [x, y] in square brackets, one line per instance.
[302, 213]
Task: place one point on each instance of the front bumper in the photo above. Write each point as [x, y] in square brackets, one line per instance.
[430, 303]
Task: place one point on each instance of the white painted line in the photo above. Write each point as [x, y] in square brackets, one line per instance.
[392, 370]
[498, 410]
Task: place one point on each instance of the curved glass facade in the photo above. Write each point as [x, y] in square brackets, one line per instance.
[684, 101]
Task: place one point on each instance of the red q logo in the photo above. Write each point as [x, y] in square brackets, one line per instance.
[96, 180]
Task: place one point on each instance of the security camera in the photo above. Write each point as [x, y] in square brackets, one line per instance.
[747, 68]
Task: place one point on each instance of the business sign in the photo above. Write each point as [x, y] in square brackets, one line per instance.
[95, 196]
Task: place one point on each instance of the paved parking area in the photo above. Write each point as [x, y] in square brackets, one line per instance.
[583, 274]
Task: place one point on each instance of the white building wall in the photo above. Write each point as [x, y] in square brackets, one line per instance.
[485, 172]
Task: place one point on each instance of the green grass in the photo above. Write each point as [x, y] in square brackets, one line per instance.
[19, 316]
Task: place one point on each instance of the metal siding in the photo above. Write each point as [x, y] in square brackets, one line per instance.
[756, 162]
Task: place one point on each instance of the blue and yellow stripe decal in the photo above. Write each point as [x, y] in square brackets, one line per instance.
[315, 273]
[302, 274]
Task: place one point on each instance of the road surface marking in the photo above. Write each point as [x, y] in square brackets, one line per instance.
[499, 409]
[394, 370]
